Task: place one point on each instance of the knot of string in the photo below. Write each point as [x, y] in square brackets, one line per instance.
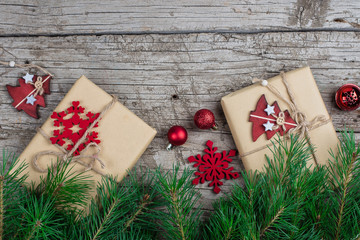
[38, 86]
[280, 121]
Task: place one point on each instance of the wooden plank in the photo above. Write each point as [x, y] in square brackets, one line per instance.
[110, 16]
[165, 79]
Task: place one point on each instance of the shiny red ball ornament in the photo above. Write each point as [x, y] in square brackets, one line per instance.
[347, 97]
[205, 119]
[177, 136]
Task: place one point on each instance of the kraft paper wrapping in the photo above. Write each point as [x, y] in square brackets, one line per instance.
[238, 105]
[124, 136]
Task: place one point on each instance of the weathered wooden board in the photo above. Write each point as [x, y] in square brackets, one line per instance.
[55, 17]
[165, 79]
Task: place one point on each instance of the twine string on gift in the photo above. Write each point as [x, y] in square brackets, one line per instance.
[13, 64]
[303, 125]
[66, 156]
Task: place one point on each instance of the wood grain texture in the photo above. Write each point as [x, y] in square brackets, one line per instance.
[39, 17]
[165, 79]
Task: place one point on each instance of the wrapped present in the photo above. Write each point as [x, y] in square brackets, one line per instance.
[93, 130]
[290, 102]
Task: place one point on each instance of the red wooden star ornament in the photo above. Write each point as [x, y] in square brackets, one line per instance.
[269, 119]
[30, 93]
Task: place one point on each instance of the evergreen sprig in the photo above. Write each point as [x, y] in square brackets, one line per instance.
[181, 218]
[12, 194]
[344, 217]
[123, 210]
[69, 190]
[104, 218]
[290, 199]
[39, 220]
[143, 214]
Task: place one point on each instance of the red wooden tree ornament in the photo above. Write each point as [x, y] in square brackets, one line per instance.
[269, 119]
[30, 93]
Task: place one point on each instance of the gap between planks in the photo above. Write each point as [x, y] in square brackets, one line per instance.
[119, 33]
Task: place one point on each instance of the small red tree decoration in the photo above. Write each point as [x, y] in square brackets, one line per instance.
[270, 119]
[213, 167]
[68, 133]
[25, 91]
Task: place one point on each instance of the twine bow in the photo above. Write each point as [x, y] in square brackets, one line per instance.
[38, 86]
[303, 125]
[66, 156]
[280, 121]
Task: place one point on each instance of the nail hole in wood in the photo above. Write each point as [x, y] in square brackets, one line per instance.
[175, 97]
[27, 62]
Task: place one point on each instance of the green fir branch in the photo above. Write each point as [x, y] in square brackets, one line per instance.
[133, 234]
[107, 213]
[347, 180]
[344, 169]
[271, 204]
[145, 201]
[105, 219]
[13, 195]
[1, 207]
[143, 211]
[272, 221]
[181, 219]
[290, 199]
[122, 209]
[40, 220]
[69, 189]
[226, 222]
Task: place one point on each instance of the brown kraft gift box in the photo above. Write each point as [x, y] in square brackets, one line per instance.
[124, 136]
[238, 105]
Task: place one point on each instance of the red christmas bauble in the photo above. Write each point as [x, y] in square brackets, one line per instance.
[204, 119]
[347, 97]
[177, 135]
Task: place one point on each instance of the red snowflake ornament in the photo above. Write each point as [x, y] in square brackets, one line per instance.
[24, 95]
[66, 134]
[213, 167]
[269, 119]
